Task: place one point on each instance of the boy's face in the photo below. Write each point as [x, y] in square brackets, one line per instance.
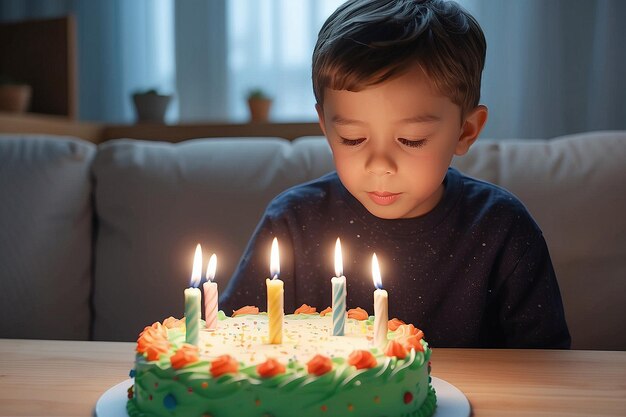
[393, 142]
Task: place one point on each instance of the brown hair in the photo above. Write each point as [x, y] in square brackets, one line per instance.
[365, 42]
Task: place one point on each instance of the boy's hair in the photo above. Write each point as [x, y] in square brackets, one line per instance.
[365, 42]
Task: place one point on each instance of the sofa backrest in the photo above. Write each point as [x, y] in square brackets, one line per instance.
[153, 201]
[45, 237]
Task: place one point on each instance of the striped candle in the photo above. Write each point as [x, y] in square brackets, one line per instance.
[192, 315]
[210, 295]
[339, 305]
[192, 301]
[338, 283]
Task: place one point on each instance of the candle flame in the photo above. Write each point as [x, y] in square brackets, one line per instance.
[210, 269]
[338, 259]
[274, 260]
[196, 272]
[378, 282]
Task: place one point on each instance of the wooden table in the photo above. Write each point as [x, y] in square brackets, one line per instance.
[59, 378]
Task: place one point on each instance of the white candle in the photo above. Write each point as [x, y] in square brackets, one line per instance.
[275, 298]
[210, 295]
[338, 283]
[381, 315]
[192, 301]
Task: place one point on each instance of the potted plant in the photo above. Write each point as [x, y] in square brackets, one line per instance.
[14, 95]
[151, 106]
[259, 104]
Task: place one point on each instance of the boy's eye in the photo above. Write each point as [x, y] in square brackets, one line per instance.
[412, 143]
[352, 142]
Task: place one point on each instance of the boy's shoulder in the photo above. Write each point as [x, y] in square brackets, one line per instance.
[493, 202]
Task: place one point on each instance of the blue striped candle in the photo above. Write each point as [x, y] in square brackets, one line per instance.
[339, 293]
[339, 305]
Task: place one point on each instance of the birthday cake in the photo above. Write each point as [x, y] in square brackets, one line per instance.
[234, 371]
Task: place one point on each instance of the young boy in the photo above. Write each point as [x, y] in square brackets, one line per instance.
[397, 85]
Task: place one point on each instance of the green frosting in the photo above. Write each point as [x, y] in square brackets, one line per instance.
[393, 388]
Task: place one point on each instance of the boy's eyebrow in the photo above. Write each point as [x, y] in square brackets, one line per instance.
[343, 121]
[421, 118]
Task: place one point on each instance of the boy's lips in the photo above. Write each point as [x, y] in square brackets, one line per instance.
[383, 198]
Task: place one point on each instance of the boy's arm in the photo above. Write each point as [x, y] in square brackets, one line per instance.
[531, 309]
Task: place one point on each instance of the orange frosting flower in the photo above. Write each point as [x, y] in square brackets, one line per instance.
[305, 309]
[325, 311]
[362, 359]
[269, 368]
[396, 349]
[185, 355]
[246, 310]
[157, 348]
[394, 323]
[319, 365]
[411, 342]
[410, 336]
[224, 364]
[172, 322]
[153, 338]
[408, 330]
[357, 314]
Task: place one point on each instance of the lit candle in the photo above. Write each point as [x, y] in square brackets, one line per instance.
[192, 300]
[275, 298]
[210, 295]
[338, 283]
[381, 315]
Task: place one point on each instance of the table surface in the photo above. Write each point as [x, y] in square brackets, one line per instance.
[66, 378]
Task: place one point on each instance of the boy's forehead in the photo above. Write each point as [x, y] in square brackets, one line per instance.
[409, 100]
[412, 83]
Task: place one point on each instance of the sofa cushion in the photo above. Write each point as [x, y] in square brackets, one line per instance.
[155, 201]
[575, 186]
[45, 244]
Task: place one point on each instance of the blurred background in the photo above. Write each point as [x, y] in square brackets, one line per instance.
[553, 67]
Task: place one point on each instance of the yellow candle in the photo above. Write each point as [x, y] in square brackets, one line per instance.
[275, 298]
[381, 314]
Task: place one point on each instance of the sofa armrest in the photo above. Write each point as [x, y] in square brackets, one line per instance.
[46, 237]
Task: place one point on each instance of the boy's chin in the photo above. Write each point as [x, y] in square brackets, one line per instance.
[386, 213]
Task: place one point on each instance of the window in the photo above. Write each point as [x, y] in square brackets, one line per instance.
[270, 44]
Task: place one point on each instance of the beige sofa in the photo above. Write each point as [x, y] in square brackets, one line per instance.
[97, 241]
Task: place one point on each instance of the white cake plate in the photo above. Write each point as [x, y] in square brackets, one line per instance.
[451, 402]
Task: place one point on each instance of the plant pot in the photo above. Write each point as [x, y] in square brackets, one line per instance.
[259, 109]
[151, 107]
[15, 98]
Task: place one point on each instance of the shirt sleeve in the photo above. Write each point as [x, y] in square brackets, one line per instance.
[531, 311]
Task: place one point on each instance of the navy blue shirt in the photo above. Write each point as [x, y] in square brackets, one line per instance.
[473, 272]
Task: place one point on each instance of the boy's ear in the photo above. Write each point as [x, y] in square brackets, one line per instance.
[472, 126]
[320, 117]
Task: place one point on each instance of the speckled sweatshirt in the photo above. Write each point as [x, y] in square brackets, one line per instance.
[473, 272]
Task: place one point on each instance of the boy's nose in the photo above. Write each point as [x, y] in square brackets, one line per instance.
[380, 165]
